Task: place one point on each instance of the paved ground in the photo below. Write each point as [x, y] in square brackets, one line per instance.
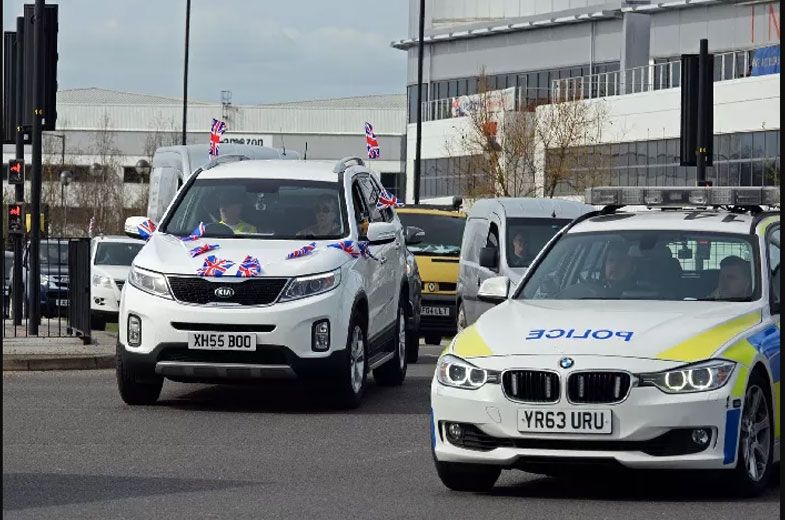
[44, 352]
[72, 449]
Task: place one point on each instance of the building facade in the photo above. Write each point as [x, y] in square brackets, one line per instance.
[622, 55]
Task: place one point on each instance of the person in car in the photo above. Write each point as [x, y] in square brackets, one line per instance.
[618, 271]
[521, 254]
[328, 221]
[735, 281]
[230, 205]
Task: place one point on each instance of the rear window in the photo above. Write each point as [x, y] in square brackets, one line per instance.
[443, 234]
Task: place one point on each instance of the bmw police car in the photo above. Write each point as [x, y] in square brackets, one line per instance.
[637, 339]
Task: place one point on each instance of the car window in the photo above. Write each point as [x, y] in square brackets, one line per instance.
[53, 252]
[281, 209]
[527, 236]
[443, 234]
[472, 239]
[773, 243]
[642, 265]
[371, 194]
[116, 253]
[360, 206]
[493, 237]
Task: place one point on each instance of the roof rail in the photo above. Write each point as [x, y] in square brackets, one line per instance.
[342, 165]
[223, 159]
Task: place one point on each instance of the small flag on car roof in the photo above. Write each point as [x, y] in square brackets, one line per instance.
[217, 129]
[371, 143]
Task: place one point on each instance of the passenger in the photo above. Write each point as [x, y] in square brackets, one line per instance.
[735, 280]
[230, 205]
[328, 219]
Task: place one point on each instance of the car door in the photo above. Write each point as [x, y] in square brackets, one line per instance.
[473, 239]
[492, 239]
[370, 272]
[389, 255]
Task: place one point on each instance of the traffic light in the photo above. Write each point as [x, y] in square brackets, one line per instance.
[47, 84]
[15, 218]
[16, 171]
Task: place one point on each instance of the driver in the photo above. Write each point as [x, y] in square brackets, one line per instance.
[618, 270]
[230, 205]
[328, 222]
[521, 255]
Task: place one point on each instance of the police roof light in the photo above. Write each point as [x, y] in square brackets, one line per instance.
[677, 196]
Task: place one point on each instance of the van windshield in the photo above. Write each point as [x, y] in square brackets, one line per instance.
[280, 209]
[443, 234]
[527, 236]
[646, 265]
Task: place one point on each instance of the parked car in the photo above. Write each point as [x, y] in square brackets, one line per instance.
[268, 269]
[502, 237]
[413, 321]
[52, 292]
[437, 259]
[110, 261]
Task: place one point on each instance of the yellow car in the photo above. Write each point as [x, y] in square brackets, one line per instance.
[437, 260]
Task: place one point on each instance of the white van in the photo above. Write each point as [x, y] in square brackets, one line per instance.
[172, 165]
[502, 237]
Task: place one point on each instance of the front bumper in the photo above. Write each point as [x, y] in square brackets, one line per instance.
[442, 325]
[105, 300]
[166, 323]
[643, 421]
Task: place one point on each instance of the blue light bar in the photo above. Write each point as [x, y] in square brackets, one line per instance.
[680, 196]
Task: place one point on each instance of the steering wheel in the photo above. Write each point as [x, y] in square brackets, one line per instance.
[218, 230]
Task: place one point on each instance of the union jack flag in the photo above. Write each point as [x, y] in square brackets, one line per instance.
[146, 229]
[214, 267]
[371, 143]
[303, 251]
[347, 246]
[249, 267]
[217, 129]
[200, 250]
[365, 251]
[387, 200]
[195, 234]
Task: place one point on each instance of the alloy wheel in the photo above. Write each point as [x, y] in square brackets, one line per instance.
[357, 359]
[756, 433]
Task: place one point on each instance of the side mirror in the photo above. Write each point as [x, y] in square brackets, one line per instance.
[381, 232]
[131, 226]
[489, 258]
[494, 290]
[414, 235]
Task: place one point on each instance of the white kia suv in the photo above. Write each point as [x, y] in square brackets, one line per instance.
[268, 269]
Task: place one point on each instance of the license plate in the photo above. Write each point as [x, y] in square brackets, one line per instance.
[62, 303]
[435, 311]
[541, 420]
[221, 341]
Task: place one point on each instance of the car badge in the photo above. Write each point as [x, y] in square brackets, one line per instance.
[566, 362]
[224, 292]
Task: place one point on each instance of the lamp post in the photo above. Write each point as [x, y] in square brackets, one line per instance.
[65, 179]
[185, 67]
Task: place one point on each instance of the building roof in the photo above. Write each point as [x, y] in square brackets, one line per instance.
[102, 96]
[377, 101]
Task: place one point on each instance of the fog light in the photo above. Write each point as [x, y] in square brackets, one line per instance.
[454, 432]
[321, 336]
[134, 330]
[701, 436]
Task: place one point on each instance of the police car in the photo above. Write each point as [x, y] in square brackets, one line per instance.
[639, 339]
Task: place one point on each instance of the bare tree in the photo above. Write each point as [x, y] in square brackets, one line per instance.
[163, 133]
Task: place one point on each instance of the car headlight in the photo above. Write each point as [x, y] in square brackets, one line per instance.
[150, 282]
[311, 285]
[100, 280]
[700, 377]
[454, 371]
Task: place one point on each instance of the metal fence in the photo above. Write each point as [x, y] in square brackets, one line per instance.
[63, 292]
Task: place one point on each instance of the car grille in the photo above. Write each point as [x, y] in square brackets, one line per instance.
[264, 355]
[534, 386]
[257, 291]
[598, 387]
[221, 327]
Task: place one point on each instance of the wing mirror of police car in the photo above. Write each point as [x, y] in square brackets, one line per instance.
[414, 235]
[494, 290]
[381, 232]
[489, 258]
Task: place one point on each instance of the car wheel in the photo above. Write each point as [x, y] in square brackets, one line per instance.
[412, 345]
[460, 320]
[433, 339]
[354, 373]
[756, 441]
[477, 478]
[132, 390]
[393, 372]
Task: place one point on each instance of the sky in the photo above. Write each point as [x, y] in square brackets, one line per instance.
[264, 51]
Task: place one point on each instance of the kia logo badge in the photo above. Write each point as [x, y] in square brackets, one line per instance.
[566, 362]
[224, 292]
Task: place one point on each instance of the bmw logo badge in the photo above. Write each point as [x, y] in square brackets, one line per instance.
[566, 362]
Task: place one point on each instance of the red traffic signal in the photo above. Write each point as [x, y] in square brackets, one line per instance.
[16, 218]
[16, 171]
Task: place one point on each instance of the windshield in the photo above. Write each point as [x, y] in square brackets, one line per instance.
[443, 234]
[646, 265]
[527, 236]
[116, 253]
[261, 208]
[54, 252]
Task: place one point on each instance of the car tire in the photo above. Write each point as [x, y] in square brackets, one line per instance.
[412, 344]
[476, 478]
[97, 322]
[353, 375]
[133, 391]
[756, 441]
[433, 339]
[393, 372]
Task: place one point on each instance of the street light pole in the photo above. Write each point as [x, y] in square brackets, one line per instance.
[418, 145]
[185, 69]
